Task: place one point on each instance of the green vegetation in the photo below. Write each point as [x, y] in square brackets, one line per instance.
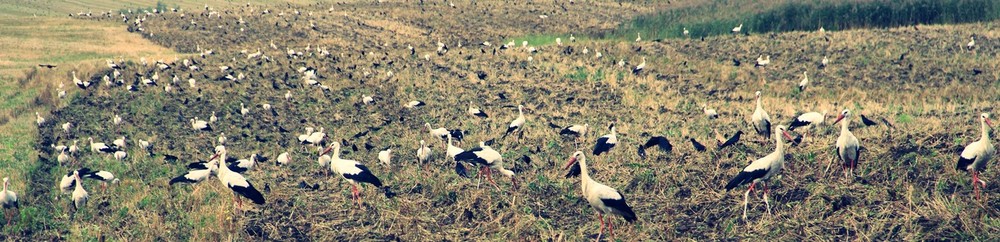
[719, 17]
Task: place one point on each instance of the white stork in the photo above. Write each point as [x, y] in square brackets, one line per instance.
[763, 62]
[80, 195]
[424, 152]
[760, 120]
[120, 155]
[602, 198]
[804, 82]
[222, 138]
[414, 104]
[353, 171]
[474, 111]
[488, 159]
[120, 142]
[284, 159]
[809, 120]
[761, 170]
[39, 119]
[235, 181]
[737, 29]
[104, 177]
[197, 124]
[213, 118]
[8, 199]
[848, 146]
[976, 154]
[438, 132]
[972, 43]
[576, 131]
[518, 122]
[385, 156]
[638, 68]
[199, 172]
[606, 142]
[315, 137]
[100, 147]
[709, 112]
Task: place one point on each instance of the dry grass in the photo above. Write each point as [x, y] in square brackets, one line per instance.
[906, 189]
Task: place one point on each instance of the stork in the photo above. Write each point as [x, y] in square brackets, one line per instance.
[761, 170]
[848, 146]
[236, 182]
[975, 155]
[488, 159]
[604, 199]
[353, 171]
[517, 124]
[8, 199]
[606, 142]
[476, 111]
[638, 68]
[760, 120]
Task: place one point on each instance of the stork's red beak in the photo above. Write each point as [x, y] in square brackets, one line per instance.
[214, 156]
[787, 136]
[839, 117]
[327, 150]
[571, 161]
[989, 123]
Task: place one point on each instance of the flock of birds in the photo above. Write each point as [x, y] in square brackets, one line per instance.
[604, 199]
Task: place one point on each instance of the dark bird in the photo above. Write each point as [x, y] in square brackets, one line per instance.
[697, 146]
[867, 122]
[658, 141]
[732, 140]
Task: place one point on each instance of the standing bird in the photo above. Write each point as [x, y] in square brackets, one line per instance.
[576, 131]
[424, 152]
[200, 125]
[104, 177]
[476, 112]
[848, 146]
[488, 159]
[200, 171]
[709, 112]
[517, 124]
[8, 199]
[972, 43]
[760, 120]
[438, 132]
[385, 156]
[824, 62]
[606, 142]
[39, 119]
[283, 159]
[235, 181]
[804, 82]
[80, 195]
[976, 154]
[762, 169]
[763, 62]
[658, 141]
[353, 171]
[738, 29]
[638, 68]
[810, 120]
[414, 104]
[602, 198]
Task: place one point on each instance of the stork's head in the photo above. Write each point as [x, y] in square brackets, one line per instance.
[843, 114]
[572, 159]
[985, 117]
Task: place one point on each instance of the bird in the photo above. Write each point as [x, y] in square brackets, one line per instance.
[638, 37]
[8, 199]
[604, 199]
[119, 142]
[824, 62]
[323, 160]
[737, 29]
[200, 125]
[367, 100]
[243, 165]
[709, 112]
[385, 156]
[972, 43]
[244, 110]
[236, 182]
[848, 146]
[80, 195]
[488, 159]
[697, 145]
[575, 130]
[353, 171]
[104, 177]
[760, 120]
[476, 112]
[731, 140]
[222, 138]
[200, 171]
[100, 147]
[867, 122]
[63, 158]
[638, 68]
[686, 32]
[809, 120]
[120, 155]
[74, 148]
[49, 66]
[804, 82]
[283, 159]
[39, 120]
[606, 142]
[424, 152]
[315, 138]
[414, 104]
[975, 155]
[303, 137]
[518, 122]
[116, 120]
[79, 83]
[659, 141]
[763, 62]
[438, 132]
[762, 169]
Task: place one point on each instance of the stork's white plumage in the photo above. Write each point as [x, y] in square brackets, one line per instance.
[474, 111]
[452, 150]
[686, 32]
[100, 147]
[848, 146]
[63, 158]
[804, 82]
[385, 156]
[199, 172]
[367, 100]
[604, 199]
[824, 62]
[120, 155]
[762, 169]
[316, 137]
[709, 112]
[120, 142]
[284, 159]
[975, 155]
[760, 120]
[414, 104]
[351, 170]
[67, 126]
[488, 159]
[737, 29]
[235, 181]
[222, 138]
[74, 148]
[517, 123]
[80, 195]
[39, 119]
[606, 142]
[763, 62]
[810, 119]
[8, 199]
[104, 177]
[244, 110]
[424, 152]
[639, 67]
[304, 136]
[972, 43]
[438, 132]
[197, 124]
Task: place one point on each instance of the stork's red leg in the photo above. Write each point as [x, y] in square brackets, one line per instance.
[600, 217]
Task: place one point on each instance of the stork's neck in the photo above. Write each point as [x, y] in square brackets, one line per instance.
[844, 125]
[222, 163]
[779, 144]
[758, 102]
[336, 151]
[986, 132]
[584, 175]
